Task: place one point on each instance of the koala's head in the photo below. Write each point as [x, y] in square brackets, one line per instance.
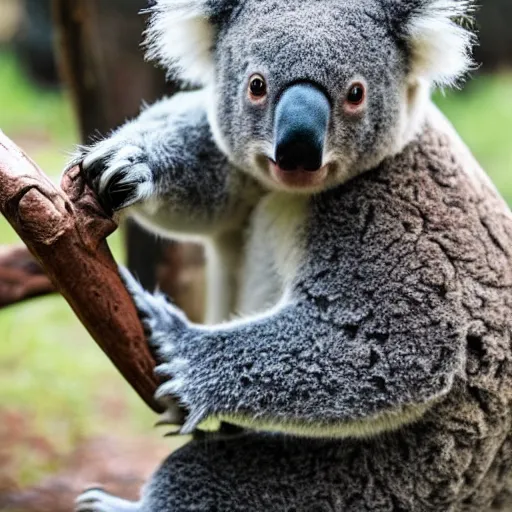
[306, 94]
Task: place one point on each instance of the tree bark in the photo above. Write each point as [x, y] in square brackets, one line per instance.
[100, 59]
[494, 50]
[21, 276]
[65, 229]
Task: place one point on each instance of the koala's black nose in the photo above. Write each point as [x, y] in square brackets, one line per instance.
[300, 128]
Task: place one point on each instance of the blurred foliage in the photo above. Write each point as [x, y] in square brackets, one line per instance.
[482, 114]
[50, 371]
[42, 119]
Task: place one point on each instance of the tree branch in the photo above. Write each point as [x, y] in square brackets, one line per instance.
[21, 276]
[66, 230]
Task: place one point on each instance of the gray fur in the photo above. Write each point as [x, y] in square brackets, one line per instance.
[194, 190]
[374, 313]
[422, 257]
[295, 45]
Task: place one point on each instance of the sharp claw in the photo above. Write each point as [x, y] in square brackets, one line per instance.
[162, 371]
[110, 174]
[99, 153]
[193, 421]
[169, 417]
[120, 195]
[73, 163]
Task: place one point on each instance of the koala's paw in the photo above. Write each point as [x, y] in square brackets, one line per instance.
[97, 500]
[118, 170]
[162, 321]
[165, 327]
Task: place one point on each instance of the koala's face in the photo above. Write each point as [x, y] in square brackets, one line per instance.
[309, 93]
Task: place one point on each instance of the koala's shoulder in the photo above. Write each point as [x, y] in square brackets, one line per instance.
[423, 239]
[182, 120]
[183, 108]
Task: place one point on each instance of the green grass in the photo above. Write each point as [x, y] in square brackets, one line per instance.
[61, 384]
[38, 119]
[482, 114]
[50, 370]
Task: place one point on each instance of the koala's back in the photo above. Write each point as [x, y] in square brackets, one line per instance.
[431, 228]
[458, 457]
[423, 236]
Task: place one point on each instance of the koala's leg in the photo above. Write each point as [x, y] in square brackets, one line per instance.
[249, 472]
[240, 473]
[97, 500]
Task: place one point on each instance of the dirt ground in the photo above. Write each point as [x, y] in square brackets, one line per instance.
[120, 465]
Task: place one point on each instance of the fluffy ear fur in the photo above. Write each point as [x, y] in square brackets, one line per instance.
[440, 45]
[180, 36]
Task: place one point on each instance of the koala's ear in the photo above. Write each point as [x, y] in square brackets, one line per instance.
[439, 44]
[180, 36]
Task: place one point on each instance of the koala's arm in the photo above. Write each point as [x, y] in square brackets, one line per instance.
[301, 368]
[165, 168]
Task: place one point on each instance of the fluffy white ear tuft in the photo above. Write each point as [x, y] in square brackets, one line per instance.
[180, 37]
[441, 47]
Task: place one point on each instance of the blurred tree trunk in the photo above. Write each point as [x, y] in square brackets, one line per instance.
[98, 43]
[494, 19]
[33, 42]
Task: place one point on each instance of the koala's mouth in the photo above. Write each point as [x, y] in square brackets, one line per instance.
[298, 178]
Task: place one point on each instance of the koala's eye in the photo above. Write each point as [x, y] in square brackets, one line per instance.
[356, 94]
[257, 87]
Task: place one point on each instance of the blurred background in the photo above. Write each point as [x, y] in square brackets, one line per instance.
[67, 419]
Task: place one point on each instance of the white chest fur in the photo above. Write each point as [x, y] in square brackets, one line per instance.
[273, 251]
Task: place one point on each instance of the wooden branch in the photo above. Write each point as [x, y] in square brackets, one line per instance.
[66, 230]
[21, 276]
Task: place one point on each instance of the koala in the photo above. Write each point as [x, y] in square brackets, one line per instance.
[358, 334]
